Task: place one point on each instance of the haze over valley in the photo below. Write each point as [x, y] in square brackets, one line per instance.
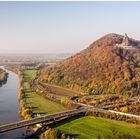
[66, 74]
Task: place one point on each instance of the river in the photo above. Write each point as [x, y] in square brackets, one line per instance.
[9, 106]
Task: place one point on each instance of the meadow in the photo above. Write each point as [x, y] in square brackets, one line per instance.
[38, 104]
[95, 127]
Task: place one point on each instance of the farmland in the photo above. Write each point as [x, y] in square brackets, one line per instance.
[60, 90]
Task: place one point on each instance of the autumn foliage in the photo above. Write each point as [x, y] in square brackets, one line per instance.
[102, 68]
[3, 76]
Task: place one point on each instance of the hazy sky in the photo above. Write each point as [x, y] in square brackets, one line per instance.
[59, 27]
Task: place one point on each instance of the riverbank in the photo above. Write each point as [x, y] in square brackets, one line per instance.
[3, 76]
[13, 68]
[9, 106]
[37, 104]
[33, 105]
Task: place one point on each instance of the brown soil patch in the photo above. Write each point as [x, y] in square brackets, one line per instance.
[59, 90]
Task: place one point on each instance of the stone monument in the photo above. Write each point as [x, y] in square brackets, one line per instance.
[125, 41]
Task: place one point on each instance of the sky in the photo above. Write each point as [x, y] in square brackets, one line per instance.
[63, 27]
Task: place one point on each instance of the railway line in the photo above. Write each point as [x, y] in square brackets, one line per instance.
[46, 118]
[49, 119]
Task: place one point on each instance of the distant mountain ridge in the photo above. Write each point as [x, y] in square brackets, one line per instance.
[102, 68]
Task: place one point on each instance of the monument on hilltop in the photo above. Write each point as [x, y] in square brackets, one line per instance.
[129, 43]
[125, 41]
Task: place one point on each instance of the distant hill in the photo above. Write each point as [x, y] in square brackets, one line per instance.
[102, 68]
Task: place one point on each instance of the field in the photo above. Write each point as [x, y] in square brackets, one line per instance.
[39, 104]
[60, 90]
[80, 127]
[95, 127]
[29, 74]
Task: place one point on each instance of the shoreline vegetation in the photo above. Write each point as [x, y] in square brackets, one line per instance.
[29, 99]
[27, 107]
[32, 99]
[32, 105]
[3, 77]
[58, 132]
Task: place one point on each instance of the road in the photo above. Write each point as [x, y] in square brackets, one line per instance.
[46, 118]
[126, 114]
[105, 107]
[49, 119]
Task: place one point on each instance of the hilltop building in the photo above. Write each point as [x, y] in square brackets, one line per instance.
[126, 43]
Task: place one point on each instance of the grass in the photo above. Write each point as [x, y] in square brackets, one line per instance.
[39, 104]
[94, 127]
[29, 74]
[84, 127]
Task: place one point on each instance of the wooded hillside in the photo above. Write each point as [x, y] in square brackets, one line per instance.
[102, 68]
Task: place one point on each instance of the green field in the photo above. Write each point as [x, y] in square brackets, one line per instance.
[39, 104]
[94, 127]
[84, 127]
[29, 74]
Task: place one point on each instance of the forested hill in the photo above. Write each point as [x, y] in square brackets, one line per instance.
[102, 68]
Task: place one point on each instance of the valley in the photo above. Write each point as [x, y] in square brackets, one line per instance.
[69, 69]
[97, 96]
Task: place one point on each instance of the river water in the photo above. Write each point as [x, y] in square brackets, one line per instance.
[9, 106]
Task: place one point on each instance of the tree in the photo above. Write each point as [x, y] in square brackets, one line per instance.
[63, 136]
[50, 133]
[124, 109]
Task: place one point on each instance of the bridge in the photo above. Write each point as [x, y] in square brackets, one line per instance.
[48, 119]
